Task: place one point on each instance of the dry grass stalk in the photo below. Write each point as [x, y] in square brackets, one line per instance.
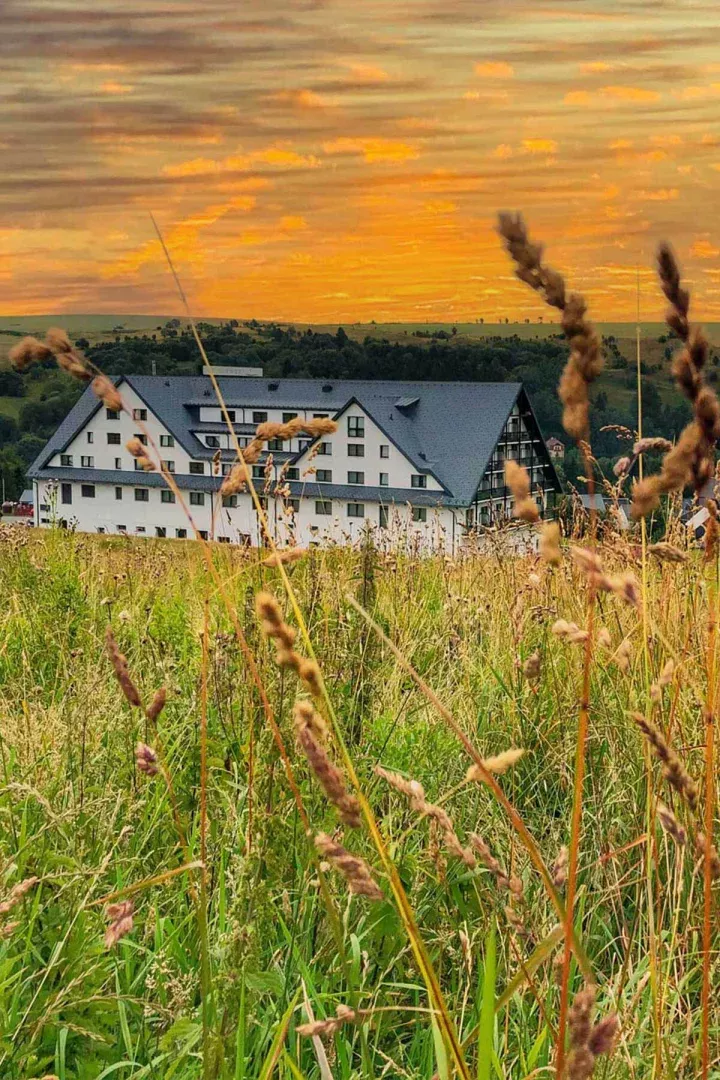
[308, 729]
[550, 543]
[570, 631]
[121, 922]
[674, 770]
[16, 894]
[667, 552]
[559, 869]
[288, 555]
[585, 361]
[415, 792]
[671, 825]
[517, 479]
[275, 627]
[120, 667]
[588, 1042]
[692, 458]
[512, 884]
[343, 1015]
[354, 869]
[498, 764]
[713, 856]
[624, 585]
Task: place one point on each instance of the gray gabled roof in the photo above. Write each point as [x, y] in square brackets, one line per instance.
[450, 430]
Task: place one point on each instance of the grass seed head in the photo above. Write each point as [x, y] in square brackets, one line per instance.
[27, 352]
[121, 922]
[120, 667]
[354, 869]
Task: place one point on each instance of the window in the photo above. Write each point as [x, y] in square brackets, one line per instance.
[294, 505]
[87, 462]
[356, 478]
[197, 498]
[118, 463]
[87, 491]
[66, 460]
[323, 507]
[160, 531]
[167, 440]
[259, 417]
[113, 438]
[141, 439]
[203, 534]
[142, 495]
[230, 501]
[112, 414]
[140, 529]
[323, 476]
[356, 449]
[275, 444]
[181, 534]
[118, 493]
[139, 414]
[356, 427]
[383, 479]
[258, 472]
[138, 466]
[66, 493]
[288, 416]
[169, 466]
[212, 442]
[197, 468]
[417, 480]
[356, 510]
[121, 528]
[292, 474]
[419, 513]
[223, 539]
[383, 517]
[385, 450]
[167, 496]
[320, 415]
[325, 448]
[90, 436]
[101, 528]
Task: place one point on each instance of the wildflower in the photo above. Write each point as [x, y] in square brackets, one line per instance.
[307, 727]
[121, 922]
[354, 869]
[146, 759]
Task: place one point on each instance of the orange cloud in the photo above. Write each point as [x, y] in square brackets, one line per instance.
[595, 66]
[301, 99]
[440, 206]
[367, 73]
[373, 150]
[278, 156]
[502, 151]
[660, 195]
[495, 69]
[293, 223]
[704, 249]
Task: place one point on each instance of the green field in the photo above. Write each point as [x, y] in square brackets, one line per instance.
[222, 965]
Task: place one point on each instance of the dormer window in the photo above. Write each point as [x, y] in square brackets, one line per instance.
[418, 480]
[356, 427]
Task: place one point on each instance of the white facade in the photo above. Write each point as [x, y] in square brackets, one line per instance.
[330, 491]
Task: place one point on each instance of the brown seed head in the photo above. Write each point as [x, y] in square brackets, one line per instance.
[157, 704]
[354, 869]
[120, 667]
[550, 543]
[27, 352]
[121, 922]
[104, 389]
[146, 759]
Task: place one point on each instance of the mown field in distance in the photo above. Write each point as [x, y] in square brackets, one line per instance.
[228, 974]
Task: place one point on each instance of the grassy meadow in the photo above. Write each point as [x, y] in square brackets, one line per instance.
[241, 932]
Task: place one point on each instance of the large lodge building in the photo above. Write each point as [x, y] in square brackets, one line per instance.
[420, 461]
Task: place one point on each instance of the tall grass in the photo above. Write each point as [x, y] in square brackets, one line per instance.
[178, 895]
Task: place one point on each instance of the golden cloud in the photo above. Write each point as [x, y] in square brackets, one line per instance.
[112, 87]
[704, 249]
[387, 151]
[539, 146]
[495, 69]
[278, 156]
[635, 95]
[301, 99]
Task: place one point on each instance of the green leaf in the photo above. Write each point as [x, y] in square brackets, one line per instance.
[440, 1052]
[487, 1009]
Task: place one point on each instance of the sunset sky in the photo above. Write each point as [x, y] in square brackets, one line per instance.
[343, 160]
